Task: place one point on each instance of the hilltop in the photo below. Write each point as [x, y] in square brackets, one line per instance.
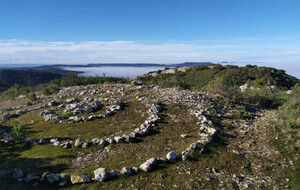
[155, 133]
[202, 77]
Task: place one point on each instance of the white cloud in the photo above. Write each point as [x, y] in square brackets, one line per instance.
[21, 51]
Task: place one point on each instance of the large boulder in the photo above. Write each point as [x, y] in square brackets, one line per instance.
[101, 174]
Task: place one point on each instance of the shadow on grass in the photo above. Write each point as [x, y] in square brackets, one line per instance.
[210, 150]
[10, 158]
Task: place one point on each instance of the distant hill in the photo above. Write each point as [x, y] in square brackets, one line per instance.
[9, 77]
[202, 77]
[32, 76]
[61, 66]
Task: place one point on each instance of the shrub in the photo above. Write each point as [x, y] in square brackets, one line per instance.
[32, 97]
[51, 89]
[291, 108]
[18, 132]
[15, 91]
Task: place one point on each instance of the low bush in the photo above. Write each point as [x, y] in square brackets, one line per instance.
[291, 108]
[50, 89]
[32, 97]
[18, 131]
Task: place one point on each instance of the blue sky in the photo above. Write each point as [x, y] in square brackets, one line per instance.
[162, 31]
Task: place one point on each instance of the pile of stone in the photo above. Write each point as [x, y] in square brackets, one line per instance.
[145, 129]
[76, 108]
[48, 116]
[206, 133]
[148, 125]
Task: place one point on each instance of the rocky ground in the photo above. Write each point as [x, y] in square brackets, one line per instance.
[117, 136]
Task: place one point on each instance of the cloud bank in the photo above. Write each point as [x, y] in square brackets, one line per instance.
[238, 50]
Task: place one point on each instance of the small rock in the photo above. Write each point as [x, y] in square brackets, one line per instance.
[184, 135]
[63, 183]
[77, 143]
[51, 178]
[85, 145]
[146, 166]
[100, 174]
[126, 171]
[17, 173]
[79, 179]
[114, 174]
[172, 155]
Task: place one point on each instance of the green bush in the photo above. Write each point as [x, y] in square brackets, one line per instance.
[32, 97]
[51, 89]
[15, 91]
[291, 108]
[18, 131]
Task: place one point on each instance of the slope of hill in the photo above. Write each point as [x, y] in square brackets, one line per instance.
[119, 136]
[201, 77]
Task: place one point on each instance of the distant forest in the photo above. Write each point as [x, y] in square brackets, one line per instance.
[10, 77]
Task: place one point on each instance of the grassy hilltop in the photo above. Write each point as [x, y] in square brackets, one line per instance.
[248, 137]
